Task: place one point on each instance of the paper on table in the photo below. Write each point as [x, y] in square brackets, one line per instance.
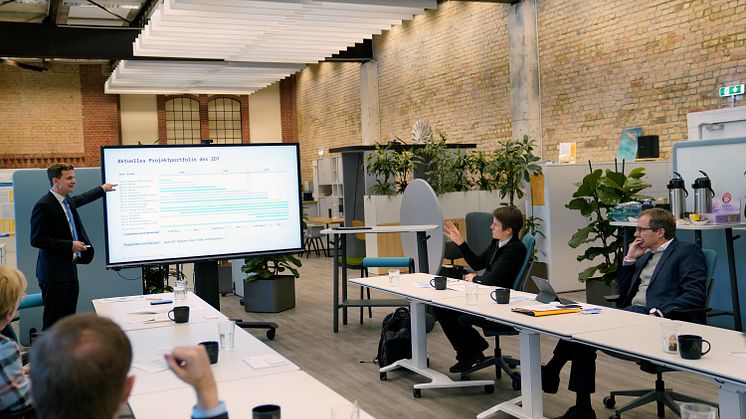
[122, 299]
[265, 361]
[741, 355]
[151, 364]
[155, 310]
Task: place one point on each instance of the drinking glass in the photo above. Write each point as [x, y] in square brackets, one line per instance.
[669, 337]
[180, 289]
[698, 411]
[472, 293]
[226, 331]
[393, 277]
[346, 411]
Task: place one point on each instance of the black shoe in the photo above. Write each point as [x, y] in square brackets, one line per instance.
[574, 413]
[549, 382]
[466, 364]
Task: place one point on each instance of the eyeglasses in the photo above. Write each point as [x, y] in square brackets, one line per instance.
[639, 229]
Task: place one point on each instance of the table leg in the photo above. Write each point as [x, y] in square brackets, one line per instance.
[418, 362]
[732, 400]
[343, 237]
[698, 238]
[335, 287]
[529, 404]
[733, 279]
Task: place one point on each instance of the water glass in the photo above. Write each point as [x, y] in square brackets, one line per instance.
[180, 289]
[669, 337]
[393, 277]
[226, 331]
[698, 411]
[346, 411]
[472, 293]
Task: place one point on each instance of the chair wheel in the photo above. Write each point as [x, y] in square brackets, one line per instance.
[515, 381]
[489, 389]
[271, 334]
[382, 376]
[240, 302]
[615, 416]
[417, 393]
[223, 294]
[610, 402]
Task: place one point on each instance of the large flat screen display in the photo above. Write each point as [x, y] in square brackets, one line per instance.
[201, 202]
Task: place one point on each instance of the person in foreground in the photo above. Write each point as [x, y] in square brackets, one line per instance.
[659, 275]
[80, 366]
[501, 262]
[57, 231]
[15, 387]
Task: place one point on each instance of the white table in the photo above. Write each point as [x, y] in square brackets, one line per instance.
[726, 370]
[118, 309]
[231, 365]
[299, 395]
[341, 234]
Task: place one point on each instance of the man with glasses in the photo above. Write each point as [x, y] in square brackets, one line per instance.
[659, 275]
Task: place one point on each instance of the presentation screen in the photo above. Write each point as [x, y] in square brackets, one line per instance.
[199, 202]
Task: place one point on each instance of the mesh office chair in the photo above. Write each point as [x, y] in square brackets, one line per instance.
[660, 394]
[492, 329]
[314, 240]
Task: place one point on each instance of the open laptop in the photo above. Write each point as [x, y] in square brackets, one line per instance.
[546, 292]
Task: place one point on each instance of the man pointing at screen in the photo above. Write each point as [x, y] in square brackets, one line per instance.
[57, 231]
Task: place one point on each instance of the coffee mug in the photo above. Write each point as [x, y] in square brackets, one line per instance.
[266, 411]
[690, 346]
[212, 347]
[439, 282]
[181, 314]
[501, 295]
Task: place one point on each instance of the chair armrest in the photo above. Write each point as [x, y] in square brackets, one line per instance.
[614, 298]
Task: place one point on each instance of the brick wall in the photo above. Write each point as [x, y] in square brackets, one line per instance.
[40, 116]
[100, 113]
[606, 65]
[328, 110]
[289, 121]
[450, 67]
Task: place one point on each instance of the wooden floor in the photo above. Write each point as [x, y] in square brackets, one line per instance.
[344, 361]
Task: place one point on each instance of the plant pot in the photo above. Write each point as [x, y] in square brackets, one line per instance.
[271, 295]
[596, 290]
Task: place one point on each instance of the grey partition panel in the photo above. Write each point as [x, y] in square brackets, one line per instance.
[724, 162]
[420, 206]
[95, 280]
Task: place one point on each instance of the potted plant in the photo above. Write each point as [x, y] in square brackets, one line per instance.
[155, 278]
[382, 166]
[513, 164]
[266, 288]
[598, 193]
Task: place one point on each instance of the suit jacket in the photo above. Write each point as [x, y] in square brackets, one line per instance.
[50, 233]
[679, 279]
[501, 264]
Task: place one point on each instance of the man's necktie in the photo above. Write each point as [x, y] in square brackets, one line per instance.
[72, 222]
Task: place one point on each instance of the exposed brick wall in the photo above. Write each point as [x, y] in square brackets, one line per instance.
[449, 67]
[100, 113]
[328, 110]
[288, 115]
[40, 116]
[608, 65]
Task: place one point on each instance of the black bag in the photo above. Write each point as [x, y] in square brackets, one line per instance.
[396, 338]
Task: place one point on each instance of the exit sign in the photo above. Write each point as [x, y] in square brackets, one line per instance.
[731, 90]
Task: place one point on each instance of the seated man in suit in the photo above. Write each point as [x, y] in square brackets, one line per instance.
[15, 387]
[501, 262]
[80, 368]
[659, 275]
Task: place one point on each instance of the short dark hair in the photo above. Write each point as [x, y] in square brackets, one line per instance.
[660, 218]
[79, 368]
[510, 217]
[56, 169]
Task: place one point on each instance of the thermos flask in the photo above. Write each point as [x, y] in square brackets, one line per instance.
[703, 194]
[677, 194]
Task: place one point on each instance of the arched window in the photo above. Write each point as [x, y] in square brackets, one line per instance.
[182, 121]
[224, 116]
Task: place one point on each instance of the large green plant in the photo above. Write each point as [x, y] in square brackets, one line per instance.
[266, 267]
[596, 195]
[479, 165]
[513, 164]
[382, 166]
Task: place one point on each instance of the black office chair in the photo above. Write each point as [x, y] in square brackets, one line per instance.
[502, 363]
[27, 412]
[660, 394]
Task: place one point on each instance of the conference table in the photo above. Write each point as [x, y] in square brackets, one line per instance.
[623, 325]
[248, 375]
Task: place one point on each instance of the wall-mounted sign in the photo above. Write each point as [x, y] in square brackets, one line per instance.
[731, 90]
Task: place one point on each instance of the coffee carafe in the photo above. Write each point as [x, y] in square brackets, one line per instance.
[677, 194]
[703, 194]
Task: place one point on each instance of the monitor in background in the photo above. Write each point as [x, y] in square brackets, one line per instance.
[201, 202]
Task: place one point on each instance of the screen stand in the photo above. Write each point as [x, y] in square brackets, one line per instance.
[206, 284]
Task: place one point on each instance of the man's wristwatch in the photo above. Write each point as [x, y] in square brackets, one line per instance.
[656, 312]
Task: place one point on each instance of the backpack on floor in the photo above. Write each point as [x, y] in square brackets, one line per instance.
[396, 338]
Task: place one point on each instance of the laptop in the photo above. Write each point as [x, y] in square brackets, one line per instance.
[546, 292]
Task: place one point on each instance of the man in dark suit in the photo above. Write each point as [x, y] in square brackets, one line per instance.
[659, 275]
[501, 262]
[79, 370]
[58, 233]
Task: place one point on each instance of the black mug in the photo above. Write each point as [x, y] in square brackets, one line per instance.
[690, 346]
[212, 347]
[439, 282]
[266, 411]
[181, 314]
[501, 295]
